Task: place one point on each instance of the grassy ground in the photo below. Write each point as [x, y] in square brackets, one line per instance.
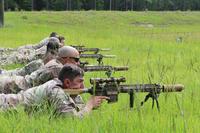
[159, 47]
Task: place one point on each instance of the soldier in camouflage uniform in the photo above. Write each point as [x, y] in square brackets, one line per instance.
[71, 76]
[49, 71]
[24, 55]
[51, 53]
[42, 43]
[66, 54]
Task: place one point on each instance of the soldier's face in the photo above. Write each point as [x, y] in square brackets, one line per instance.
[75, 60]
[71, 60]
[77, 83]
[62, 42]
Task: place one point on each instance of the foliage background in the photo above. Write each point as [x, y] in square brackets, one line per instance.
[123, 5]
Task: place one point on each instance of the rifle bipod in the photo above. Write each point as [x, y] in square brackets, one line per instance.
[154, 98]
[108, 73]
[131, 98]
[149, 95]
[100, 60]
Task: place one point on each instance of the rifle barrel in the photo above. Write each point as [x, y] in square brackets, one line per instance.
[95, 49]
[104, 68]
[121, 68]
[150, 88]
[96, 56]
[109, 56]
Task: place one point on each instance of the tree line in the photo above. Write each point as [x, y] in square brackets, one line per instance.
[121, 5]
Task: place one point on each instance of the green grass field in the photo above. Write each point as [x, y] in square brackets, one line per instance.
[145, 41]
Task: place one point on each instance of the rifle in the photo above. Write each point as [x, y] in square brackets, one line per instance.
[95, 50]
[98, 56]
[81, 49]
[109, 69]
[77, 46]
[111, 87]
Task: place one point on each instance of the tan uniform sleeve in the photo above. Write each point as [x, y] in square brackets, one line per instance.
[65, 105]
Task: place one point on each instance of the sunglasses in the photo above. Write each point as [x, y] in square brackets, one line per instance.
[75, 59]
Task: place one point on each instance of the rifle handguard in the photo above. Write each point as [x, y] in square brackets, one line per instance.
[96, 56]
[104, 68]
[77, 46]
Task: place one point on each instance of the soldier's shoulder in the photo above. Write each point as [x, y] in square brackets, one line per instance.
[53, 62]
[36, 64]
[54, 83]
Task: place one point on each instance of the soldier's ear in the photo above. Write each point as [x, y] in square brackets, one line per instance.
[67, 83]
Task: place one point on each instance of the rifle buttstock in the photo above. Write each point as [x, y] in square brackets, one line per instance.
[75, 91]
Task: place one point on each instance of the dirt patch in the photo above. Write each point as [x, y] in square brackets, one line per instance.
[143, 24]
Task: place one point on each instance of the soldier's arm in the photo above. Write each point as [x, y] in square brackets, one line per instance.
[41, 43]
[65, 105]
[42, 75]
[27, 69]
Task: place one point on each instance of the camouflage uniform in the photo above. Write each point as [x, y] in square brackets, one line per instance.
[42, 43]
[44, 74]
[26, 70]
[51, 91]
[6, 51]
[10, 84]
[22, 56]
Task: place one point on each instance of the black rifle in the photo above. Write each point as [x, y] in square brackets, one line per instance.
[111, 87]
[99, 57]
[109, 69]
[95, 50]
[82, 48]
[77, 46]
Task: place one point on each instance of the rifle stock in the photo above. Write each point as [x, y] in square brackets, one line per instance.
[76, 91]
